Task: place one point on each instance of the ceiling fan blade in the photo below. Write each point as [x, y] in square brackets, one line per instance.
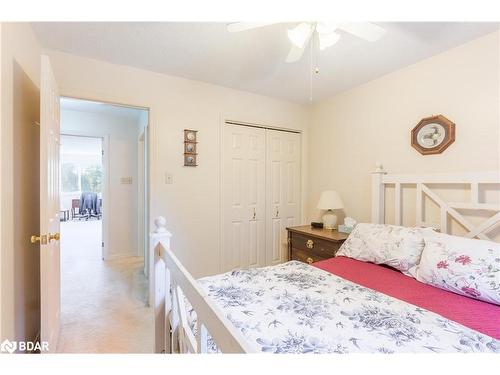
[242, 26]
[364, 30]
[295, 54]
[327, 39]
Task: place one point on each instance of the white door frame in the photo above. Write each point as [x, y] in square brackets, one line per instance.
[142, 178]
[105, 197]
[147, 180]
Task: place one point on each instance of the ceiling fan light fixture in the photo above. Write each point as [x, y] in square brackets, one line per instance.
[299, 35]
[328, 40]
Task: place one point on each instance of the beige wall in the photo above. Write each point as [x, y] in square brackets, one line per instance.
[372, 122]
[192, 203]
[20, 72]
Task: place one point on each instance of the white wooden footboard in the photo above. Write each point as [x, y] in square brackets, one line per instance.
[170, 285]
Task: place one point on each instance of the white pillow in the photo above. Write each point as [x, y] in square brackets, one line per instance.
[398, 247]
[462, 265]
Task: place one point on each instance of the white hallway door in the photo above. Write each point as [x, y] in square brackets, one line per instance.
[49, 206]
[260, 194]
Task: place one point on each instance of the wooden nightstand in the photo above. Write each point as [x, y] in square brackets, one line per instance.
[310, 245]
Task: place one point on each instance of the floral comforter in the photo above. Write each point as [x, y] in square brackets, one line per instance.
[297, 308]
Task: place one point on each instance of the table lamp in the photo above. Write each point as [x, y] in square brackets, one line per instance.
[330, 200]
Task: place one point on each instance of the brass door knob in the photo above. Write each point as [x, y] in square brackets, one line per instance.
[42, 239]
[54, 236]
[309, 260]
[310, 244]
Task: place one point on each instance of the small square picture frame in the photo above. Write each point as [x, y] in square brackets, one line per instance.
[190, 148]
[190, 160]
[190, 135]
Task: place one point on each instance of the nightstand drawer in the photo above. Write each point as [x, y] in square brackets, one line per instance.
[312, 245]
[304, 256]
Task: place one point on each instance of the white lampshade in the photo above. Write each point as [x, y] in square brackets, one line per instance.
[330, 200]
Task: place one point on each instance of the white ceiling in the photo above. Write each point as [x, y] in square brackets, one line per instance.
[254, 60]
[104, 108]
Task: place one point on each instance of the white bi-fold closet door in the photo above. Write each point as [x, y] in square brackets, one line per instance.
[282, 191]
[260, 194]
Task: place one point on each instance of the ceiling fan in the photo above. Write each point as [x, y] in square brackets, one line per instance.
[327, 34]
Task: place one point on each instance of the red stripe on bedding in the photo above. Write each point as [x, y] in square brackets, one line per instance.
[478, 315]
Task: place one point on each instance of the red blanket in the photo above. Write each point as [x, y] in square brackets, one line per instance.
[478, 315]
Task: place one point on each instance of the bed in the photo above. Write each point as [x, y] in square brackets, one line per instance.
[480, 316]
[340, 305]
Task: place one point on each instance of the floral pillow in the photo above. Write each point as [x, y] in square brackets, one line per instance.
[462, 265]
[398, 247]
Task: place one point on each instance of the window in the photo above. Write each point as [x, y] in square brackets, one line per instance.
[69, 177]
[91, 178]
[81, 178]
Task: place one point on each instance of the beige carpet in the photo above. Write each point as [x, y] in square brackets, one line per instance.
[103, 304]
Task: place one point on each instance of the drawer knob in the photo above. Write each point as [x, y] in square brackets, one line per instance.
[310, 244]
[309, 260]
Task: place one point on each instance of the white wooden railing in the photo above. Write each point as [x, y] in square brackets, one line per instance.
[171, 287]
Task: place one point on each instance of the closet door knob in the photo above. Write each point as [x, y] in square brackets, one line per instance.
[277, 212]
[254, 213]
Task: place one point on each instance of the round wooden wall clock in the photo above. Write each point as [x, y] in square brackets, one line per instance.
[433, 135]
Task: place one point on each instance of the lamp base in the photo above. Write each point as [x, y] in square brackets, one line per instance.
[329, 220]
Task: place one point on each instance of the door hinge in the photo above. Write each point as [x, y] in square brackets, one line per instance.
[102, 244]
[102, 152]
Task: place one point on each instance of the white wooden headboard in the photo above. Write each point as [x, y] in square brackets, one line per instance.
[423, 182]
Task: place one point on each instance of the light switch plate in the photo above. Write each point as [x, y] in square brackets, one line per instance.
[126, 180]
[169, 179]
